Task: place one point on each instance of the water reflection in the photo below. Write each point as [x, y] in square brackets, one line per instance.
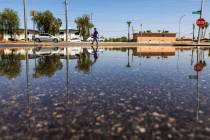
[68, 92]
[10, 64]
[28, 95]
[198, 67]
[128, 65]
[127, 101]
[87, 59]
[47, 66]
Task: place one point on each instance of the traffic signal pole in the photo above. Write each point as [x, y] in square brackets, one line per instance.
[199, 30]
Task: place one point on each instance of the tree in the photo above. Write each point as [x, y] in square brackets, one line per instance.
[9, 21]
[129, 26]
[84, 25]
[47, 23]
[206, 27]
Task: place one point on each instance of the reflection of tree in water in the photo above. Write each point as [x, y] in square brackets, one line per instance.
[84, 63]
[47, 66]
[10, 65]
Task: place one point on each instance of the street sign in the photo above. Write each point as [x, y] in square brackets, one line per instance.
[196, 12]
[201, 22]
[198, 67]
[193, 77]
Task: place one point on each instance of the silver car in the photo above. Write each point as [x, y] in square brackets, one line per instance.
[44, 37]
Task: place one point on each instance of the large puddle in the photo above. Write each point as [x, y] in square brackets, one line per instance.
[131, 94]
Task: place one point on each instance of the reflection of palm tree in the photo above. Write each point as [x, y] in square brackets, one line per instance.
[47, 66]
[84, 62]
[10, 65]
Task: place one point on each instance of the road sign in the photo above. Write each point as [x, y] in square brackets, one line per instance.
[193, 77]
[196, 12]
[198, 67]
[201, 22]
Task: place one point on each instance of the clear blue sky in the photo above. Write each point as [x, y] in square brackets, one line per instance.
[110, 16]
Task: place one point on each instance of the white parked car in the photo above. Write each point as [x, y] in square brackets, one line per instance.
[44, 37]
[39, 51]
[90, 50]
[75, 40]
[90, 39]
[72, 51]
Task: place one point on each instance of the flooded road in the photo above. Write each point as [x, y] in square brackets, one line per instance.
[131, 94]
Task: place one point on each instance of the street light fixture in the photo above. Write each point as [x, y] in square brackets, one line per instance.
[180, 20]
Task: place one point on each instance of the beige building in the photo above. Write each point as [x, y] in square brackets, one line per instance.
[154, 37]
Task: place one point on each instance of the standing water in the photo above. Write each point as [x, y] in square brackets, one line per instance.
[123, 93]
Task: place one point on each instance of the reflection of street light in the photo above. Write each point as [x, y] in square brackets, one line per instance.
[128, 65]
[67, 75]
[27, 92]
[25, 21]
[180, 20]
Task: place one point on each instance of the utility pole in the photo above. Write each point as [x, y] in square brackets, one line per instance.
[193, 32]
[141, 31]
[180, 20]
[201, 14]
[66, 17]
[25, 21]
[91, 20]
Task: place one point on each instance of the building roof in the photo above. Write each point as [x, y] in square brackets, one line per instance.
[155, 34]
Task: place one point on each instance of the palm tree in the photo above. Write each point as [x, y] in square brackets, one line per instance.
[206, 27]
[129, 26]
[84, 25]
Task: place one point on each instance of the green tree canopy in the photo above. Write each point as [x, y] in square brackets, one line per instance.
[84, 25]
[9, 21]
[47, 23]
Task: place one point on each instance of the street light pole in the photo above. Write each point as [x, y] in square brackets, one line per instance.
[91, 20]
[66, 16]
[180, 20]
[201, 14]
[25, 21]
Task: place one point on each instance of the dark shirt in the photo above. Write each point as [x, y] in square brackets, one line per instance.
[95, 34]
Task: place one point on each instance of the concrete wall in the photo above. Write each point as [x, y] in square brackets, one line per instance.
[156, 39]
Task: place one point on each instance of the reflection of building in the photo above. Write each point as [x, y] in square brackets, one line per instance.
[154, 37]
[154, 51]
